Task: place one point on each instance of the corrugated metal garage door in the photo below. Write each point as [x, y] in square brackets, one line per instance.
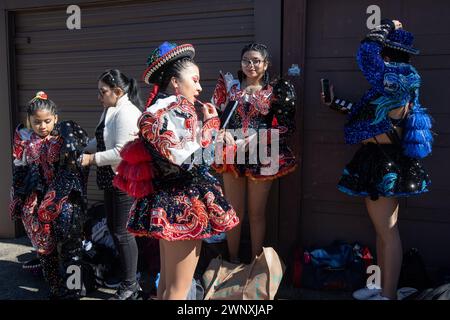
[66, 63]
[333, 34]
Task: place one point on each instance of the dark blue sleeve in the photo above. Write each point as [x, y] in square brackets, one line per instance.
[371, 63]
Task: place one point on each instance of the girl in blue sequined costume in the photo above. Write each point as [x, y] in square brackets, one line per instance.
[394, 130]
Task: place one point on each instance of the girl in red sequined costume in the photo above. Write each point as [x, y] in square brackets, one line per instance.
[178, 200]
[49, 188]
[263, 110]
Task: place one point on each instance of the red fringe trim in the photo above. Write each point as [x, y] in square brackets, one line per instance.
[140, 171]
[135, 151]
[135, 173]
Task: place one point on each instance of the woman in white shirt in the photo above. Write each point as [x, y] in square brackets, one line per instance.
[118, 124]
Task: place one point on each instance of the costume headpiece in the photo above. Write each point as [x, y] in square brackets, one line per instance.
[163, 55]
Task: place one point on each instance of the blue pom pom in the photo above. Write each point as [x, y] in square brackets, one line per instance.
[418, 120]
[418, 138]
[417, 151]
[166, 47]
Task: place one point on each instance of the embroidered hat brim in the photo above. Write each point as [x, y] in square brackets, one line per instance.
[181, 51]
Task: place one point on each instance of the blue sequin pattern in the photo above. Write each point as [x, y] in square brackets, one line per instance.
[393, 85]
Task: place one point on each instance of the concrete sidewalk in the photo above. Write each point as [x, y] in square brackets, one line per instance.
[18, 284]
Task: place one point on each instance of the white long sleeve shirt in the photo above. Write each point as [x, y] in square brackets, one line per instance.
[120, 128]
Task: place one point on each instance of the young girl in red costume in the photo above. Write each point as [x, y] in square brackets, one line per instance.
[49, 188]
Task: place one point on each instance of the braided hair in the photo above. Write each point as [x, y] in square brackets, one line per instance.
[40, 102]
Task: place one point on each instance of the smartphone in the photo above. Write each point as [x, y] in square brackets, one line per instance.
[326, 89]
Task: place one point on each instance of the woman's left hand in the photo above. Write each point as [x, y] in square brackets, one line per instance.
[209, 111]
[87, 160]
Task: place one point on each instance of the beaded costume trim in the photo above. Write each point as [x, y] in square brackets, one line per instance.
[165, 58]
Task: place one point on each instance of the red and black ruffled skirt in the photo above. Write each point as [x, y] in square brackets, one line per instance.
[286, 163]
[171, 203]
[196, 210]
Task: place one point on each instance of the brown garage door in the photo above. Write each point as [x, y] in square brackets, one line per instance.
[66, 63]
[334, 30]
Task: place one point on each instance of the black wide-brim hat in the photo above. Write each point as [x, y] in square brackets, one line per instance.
[162, 56]
[401, 40]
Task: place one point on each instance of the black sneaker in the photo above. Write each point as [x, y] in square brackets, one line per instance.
[128, 292]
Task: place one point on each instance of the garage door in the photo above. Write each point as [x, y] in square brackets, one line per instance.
[333, 34]
[66, 63]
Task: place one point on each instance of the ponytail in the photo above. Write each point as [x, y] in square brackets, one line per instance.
[116, 79]
[133, 93]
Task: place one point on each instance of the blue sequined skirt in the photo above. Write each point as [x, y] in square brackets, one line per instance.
[383, 171]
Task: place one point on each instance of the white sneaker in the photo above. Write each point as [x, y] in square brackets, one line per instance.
[366, 293]
[405, 292]
[378, 296]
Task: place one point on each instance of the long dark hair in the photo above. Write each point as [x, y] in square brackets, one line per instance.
[40, 103]
[162, 81]
[262, 49]
[113, 78]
